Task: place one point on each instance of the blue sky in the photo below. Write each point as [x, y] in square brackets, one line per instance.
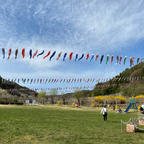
[82, 26]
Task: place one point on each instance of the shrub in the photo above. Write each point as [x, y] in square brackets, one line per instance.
[92, 105]
[73, 104]
[58, 102]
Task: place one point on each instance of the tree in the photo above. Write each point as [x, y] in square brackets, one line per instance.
[53, 93]
[63, 96]
[42, 96]
[78, 95]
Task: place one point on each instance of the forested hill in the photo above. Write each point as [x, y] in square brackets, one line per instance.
[129, 83]
[11, 91]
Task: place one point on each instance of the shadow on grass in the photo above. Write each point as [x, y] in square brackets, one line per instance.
[140, 130]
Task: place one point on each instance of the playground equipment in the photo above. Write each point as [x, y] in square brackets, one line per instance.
[142, 109]
[132, 104]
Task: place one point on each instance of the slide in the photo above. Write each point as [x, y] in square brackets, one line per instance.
[127, 109]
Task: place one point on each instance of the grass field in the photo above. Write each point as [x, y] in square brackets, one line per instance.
[56, 125]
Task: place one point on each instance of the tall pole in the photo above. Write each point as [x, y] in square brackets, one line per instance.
[121, 126]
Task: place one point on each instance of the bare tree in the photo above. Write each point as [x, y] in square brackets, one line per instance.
[63, 98]
[53, 93]
[78, 95]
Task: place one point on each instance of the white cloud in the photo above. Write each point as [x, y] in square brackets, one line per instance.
[96, 26]
[109, 24]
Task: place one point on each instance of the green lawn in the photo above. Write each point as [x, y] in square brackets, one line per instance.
[34, 125]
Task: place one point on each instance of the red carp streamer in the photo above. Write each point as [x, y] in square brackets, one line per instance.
[87, 56]
[35, 53]
[47, 55]
[23, 52]
[9, 53]
[111, 59]
[59, 55]
[97, 57]
[70, 56]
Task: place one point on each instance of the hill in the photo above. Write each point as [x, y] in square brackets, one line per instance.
[128, 83]
[11, 92]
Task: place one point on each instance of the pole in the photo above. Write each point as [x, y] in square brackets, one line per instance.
[121, 126]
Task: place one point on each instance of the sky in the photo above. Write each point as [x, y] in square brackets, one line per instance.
[104, 27]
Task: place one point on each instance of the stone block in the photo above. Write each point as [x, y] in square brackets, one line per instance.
[130, 128]
[141, 122]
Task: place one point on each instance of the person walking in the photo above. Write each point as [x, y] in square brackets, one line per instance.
[104, 113]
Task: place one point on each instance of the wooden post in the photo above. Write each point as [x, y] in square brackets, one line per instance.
[121, 126]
